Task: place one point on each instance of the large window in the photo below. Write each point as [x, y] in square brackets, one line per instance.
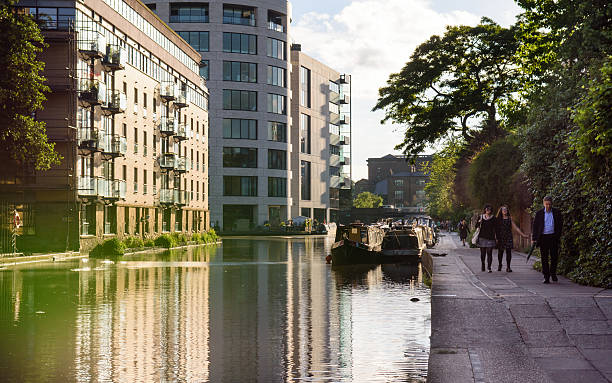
[198, 40]
[305, 180]
[188, 13]
[277, 131]
[239, 157]
[239, 43]
[240, 186]
[204, 69]
[275, 21]
[276, 76]
[277, 159]
[234, 14]
[277, 187]
[239, 71]
[239, 128]
[276, 103]
[276, 48]
[52, 18]
[305, 87]
[304, 133]
[239, 100]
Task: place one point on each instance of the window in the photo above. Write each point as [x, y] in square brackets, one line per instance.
[304, 133]
[398, 183]
[277, 159]
[239, 43]
[144, 181]
[276, 103]
[399, 195]
[239, 128]
[239, 71]
[239, 157]
[188, 13]
[135, 180]
[275, 21]
[198, 40]
[240, 186]
[204, 69]
[276, 48]
[239, 100]
[334, 149]
[305, 180]
[277, 131]
[305, 87]
[277, 187]
[234, 14]
[276, 76]
[52, 18]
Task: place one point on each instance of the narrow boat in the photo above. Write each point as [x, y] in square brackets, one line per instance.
[357, 244]
[403, 243]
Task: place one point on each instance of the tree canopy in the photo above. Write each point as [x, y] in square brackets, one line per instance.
[22, 89]
[367, 200]
[454, 84]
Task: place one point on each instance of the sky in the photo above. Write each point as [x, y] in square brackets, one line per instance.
[370, 39]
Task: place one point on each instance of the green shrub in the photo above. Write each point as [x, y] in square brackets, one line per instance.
[149, 242]
[197, 238]
[133, 242]
[179, 238]
[110, 247]
[212, 235]
[165, 240]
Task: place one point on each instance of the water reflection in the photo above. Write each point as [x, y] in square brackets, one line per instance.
[252, 310]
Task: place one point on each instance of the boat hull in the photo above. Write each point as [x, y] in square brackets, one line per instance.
[349, 253]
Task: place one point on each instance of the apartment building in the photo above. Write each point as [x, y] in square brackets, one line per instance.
[128, 112]
[246, 64]
[320, 138]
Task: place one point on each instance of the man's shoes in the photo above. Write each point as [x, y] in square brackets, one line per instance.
[546, 281]
[554, 278]
[508, 270]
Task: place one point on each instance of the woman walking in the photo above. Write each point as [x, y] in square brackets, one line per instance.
[463, 230]
[486, 236]
[505, 225]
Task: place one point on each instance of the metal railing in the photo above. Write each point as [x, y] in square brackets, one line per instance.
[116, 102]
[182, 132]
[168, 91]
[113, 144]
[101, 187]
[167, 161]
[88, 137]
[92, 91]
[168, 126]
[182, 99]
[275, 27]
[91, 43]
[116, 57]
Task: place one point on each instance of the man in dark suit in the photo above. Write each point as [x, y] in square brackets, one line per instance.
[547, 228]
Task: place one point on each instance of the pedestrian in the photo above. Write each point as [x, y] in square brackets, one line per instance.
[504, 226]
[486, 236]
[547, 229]
[463, 230]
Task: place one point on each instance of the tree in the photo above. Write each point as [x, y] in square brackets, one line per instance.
[454, 84]
[367, 200]
[22, 138]
[439, 190]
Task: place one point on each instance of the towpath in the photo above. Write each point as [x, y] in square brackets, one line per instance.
[509, 327]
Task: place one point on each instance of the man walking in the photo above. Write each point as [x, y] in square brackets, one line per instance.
[547, 227]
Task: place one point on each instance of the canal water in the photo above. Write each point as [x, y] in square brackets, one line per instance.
[250, 310]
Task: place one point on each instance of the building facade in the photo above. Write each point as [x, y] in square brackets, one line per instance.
[245, 49]
[128, 112]
[320, 137]
[399, 180]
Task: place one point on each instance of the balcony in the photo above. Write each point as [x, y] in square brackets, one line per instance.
[91, 43]
[344, 99]
[182, 99]
[116, 57]
[111, 189]
[345, 140]
[168, 161]
[334, 182]
[180, 165]
[92, 92]
[345, 161]
[88, 140]
[168, 126]
[181, 197]
[334, 160]
[275, 26]
[334, 139]
[113, 146]
[182, 132]
[344, 79]
[88, 186]
[345, 119]
[169, 91]
[115, 103]
[166, 196]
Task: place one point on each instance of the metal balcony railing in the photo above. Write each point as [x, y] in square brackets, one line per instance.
[92, 92]
[180, 164]
[114, 145]
[88, 139]
[116, 57]
[182, 132]
[167, 161]
[345, 161]
[87, 186]
[344, 99]
[182, 99]
[345, 119]
[181, 197]
[168, 91]
[166, 196]
[344, 79]
[91, 42]
[168, 126]
[334, 160]
[116, 102]
[345, 140]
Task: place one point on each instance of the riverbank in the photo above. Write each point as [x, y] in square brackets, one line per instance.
[509, 327]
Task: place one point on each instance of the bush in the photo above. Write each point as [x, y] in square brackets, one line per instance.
[165, 240]
[110, 247]
[149, 242]
[133, 242]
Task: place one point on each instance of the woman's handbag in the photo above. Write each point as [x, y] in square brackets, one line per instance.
[476, 233]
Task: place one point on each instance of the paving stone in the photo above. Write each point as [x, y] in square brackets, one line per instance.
[587, 313]
[603, 342]
[538, 324]
[564, 363]
[531, 311]
[581, 326]
[572, 301]
[545, 338]
[574, 376]
[601, 359]
[544, 352]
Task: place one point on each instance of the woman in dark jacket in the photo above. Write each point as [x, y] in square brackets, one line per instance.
[486, 237]
[505, 225]
[463, 230]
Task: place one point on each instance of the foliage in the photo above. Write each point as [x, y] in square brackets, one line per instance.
[456, 83]
[133, 242]
[492, 173]
[367, 200]
[165, 240]
[110, 247]
[149, 242]
[22, 138]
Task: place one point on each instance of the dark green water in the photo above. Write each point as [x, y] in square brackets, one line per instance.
[251, 310]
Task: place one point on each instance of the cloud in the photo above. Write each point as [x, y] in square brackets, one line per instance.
[371, 39]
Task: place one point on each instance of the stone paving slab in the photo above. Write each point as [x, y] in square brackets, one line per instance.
[509, 327]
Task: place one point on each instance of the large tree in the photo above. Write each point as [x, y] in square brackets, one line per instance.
[454, 84]
[22, 88]
[367, 200]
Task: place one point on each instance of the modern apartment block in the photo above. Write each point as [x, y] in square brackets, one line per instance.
[244, 45]
[320, 138]
[128, 111]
